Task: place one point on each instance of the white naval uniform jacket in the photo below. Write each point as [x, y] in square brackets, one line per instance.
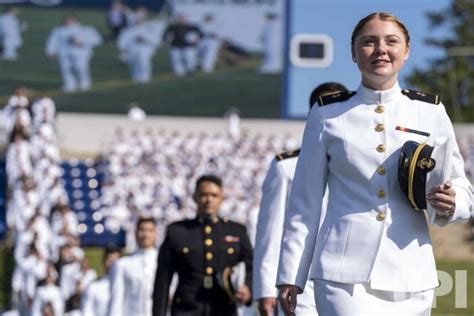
[275, 189]
[96, 298]
[132, 279]
[60, 41]
[370, 232]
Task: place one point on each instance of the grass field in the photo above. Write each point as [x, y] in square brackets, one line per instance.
[445, 304]
[201, 95]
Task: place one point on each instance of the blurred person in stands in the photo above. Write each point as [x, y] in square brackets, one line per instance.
[81, 276]
[132, 276]
[137, 45]
[28, 271]
[25, 202]
[202, 251]
[18, 158]
[48, 293]
[19, 98]
[72, 44]
[276, 188]
[44, 112]
[116, 18]
[70, 273]
[182, 38]
[63, 220]
[232, 116]
[12, 112]
[272, 39]
[34, 268]
[96, 297]
[210, 44]
[10, 33]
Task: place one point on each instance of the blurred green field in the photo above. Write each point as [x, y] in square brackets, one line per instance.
[445, 304]
[200, 95]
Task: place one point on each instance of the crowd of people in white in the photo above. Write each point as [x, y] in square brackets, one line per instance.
[149, 174]
[137, 38]
[153, 174]
[44, 229]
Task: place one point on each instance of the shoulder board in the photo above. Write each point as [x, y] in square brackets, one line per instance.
[336, 97]
[287, 154]
[421, 96]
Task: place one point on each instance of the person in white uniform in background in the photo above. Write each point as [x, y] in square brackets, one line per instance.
[48, 293]
[371, 254]
[72, 44]
[96, 298]
[116, 18]
[210, 44]
[137, 45]
[275, 190]
[272, 40]
[133, 277]
[10, 33]
[135, 112]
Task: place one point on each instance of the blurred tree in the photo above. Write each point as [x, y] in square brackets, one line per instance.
[452, 75]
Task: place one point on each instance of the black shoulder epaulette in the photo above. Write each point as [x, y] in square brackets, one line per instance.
[421, 96]
[287, 154]
[336, 97]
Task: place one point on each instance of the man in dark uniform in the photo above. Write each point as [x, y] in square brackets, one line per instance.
[200, 250]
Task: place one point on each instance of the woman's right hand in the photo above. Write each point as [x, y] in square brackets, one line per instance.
[287, 297]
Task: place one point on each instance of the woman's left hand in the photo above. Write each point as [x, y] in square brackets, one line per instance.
[442, 199]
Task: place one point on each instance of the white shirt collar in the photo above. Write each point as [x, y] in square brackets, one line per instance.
[149, 252]
[377, 96]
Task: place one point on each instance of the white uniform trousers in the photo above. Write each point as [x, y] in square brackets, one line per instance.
[73, 65]
[209, 49]
[9, 49]
[141, 65]
[343, 299]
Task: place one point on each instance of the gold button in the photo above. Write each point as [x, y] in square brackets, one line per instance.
[230, 251]
[215, 219]
[208, 242]
[379, 128]
[381, 148]
[379, 109]
[208, 229]
[381, 216]
[185, 249]
[209, 270]
[381, 194]
[209, 256]
[381, 171]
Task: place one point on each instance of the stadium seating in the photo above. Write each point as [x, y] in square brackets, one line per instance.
[82, 181]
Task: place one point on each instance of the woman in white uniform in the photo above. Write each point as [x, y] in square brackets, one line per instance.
[371, 254]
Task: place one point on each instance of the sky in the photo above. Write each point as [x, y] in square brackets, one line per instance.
[337, 19]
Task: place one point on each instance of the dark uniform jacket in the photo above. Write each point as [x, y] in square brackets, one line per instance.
[198, 250]
[180, 35]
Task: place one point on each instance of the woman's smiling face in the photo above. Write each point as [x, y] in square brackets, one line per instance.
[380, 51]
